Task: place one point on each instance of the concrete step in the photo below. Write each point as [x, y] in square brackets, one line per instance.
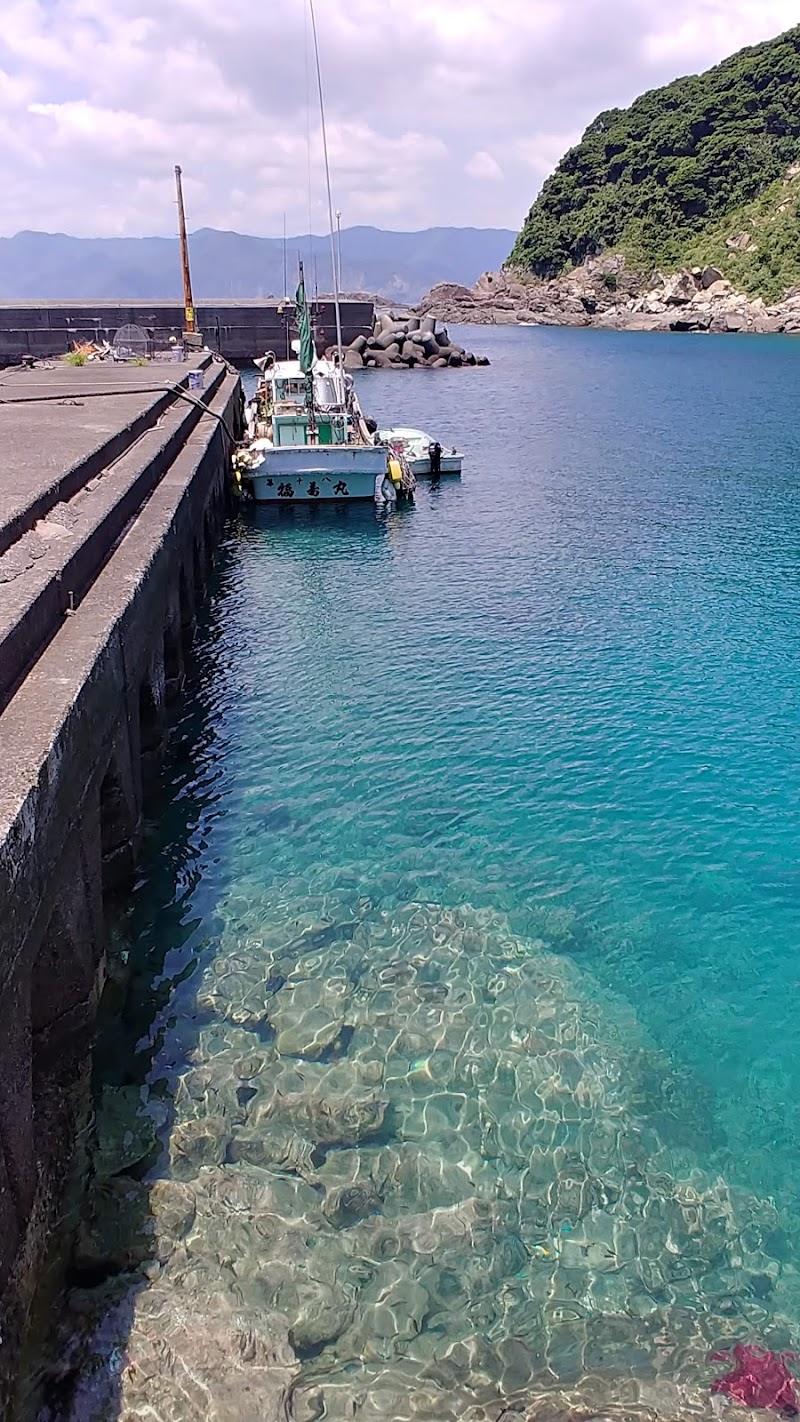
[120, 404]
[45, 574]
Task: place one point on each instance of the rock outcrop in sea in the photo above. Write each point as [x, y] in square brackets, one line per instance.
[407, 342]
[606, 293]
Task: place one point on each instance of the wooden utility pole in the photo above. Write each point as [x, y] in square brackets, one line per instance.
[188, 303]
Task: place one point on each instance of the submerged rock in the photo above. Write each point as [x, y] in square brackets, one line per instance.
[240, 993]
[116, 1230]
[188, 1365]
[350, 1203]
[485, 1204]
[316, 1312]
[126, 1130]
[390, 1314]
[308, 1017]
[277, 1147]
[334, 1120]
[197, 1143]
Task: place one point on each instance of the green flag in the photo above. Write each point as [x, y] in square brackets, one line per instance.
[307, 352]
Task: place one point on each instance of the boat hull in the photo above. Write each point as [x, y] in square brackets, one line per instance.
[451, 464]
[416, 445]
[315, 473]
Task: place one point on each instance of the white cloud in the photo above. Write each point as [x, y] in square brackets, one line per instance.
[542, 151]
[483, 165]
[439, 110]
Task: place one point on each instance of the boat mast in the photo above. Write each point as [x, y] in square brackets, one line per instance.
[188, 303]
[336, 293]
[307, 352]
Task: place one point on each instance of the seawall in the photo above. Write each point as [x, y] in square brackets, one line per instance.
[237, 330]
[112, 492]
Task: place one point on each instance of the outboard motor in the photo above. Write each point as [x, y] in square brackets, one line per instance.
[435, 454]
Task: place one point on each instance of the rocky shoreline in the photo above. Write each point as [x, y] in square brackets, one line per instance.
[605, 293]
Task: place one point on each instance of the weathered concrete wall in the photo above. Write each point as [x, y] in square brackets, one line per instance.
[238, 330]
[77, 741]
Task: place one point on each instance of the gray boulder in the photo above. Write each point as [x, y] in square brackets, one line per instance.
[680, 290]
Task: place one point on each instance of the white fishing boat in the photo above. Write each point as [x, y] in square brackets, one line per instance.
[425, 456]
[307, 437]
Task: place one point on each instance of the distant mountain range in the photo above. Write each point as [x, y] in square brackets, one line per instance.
[400, 266]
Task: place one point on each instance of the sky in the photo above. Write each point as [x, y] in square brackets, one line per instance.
[440, 112]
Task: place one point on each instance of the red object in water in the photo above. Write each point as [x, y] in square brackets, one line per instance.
[759, 1378]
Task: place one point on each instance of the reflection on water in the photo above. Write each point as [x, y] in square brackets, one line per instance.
[443, 949]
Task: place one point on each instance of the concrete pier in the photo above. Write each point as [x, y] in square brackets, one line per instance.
[238, 330]
[112, 490]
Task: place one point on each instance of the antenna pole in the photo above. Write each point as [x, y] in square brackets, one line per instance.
[339, 246]
[285, 276]
[187, 280]
[330, 203]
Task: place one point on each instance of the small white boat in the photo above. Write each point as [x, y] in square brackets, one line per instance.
[425, 456]
[308, 440]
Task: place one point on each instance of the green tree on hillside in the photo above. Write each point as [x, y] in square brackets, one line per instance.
[654, 179]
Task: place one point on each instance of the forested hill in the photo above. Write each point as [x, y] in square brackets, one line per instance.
[699, 170]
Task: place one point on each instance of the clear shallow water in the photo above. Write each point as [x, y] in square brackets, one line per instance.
[477, 938]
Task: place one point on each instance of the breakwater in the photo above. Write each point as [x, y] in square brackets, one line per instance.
[239, 330]
[408, 342]
[111, 496]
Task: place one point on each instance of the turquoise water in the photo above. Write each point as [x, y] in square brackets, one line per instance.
[484, 830]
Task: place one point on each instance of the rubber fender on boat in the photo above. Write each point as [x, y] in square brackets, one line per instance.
[385, 492]
[395, 472]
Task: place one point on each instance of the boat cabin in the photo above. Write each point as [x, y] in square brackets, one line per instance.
[286, 409]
